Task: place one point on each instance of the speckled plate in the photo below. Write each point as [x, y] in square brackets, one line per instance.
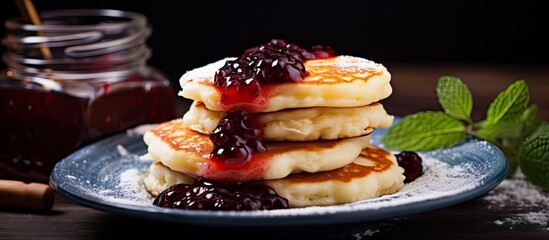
[107, 176]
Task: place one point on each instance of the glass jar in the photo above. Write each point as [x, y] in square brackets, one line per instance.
[79, 77]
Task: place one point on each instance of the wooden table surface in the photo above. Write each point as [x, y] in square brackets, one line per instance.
[514, 209]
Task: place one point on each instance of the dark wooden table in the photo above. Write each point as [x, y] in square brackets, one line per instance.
[515, 209]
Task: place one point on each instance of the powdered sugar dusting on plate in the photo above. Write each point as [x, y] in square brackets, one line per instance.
[127, 189]
[439, 179]
[131, 180]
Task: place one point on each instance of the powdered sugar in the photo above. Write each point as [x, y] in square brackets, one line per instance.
[367, 233]
[518, 193]
[345, 63]
[131, 179]
[529, 202]
[206, 72]
[140, 130]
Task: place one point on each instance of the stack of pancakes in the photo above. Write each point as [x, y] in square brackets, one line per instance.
[316, 132]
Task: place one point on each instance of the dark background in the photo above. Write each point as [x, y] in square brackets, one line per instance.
[187, 35]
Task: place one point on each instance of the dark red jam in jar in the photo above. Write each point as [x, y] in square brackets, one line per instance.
[243, 84]
[96, 83]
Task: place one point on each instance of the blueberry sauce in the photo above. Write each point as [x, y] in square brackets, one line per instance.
[243, 85]
[211, 195]
[242, 82]
[411, 162]
[235, 139]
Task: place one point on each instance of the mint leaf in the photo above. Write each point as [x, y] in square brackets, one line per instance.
[522, 127]
[489, 132]
[424, 131]
[512, 131]
[530, 113]
[534, 156]
[455, 98]
[530, 122]
[537, 144]
[536, 171]
[509, 104]
[506, 110]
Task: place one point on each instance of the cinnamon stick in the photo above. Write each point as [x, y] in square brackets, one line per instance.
[30, 196]
[30, 15]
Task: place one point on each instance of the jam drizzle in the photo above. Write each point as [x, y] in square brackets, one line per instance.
[235, 139]
[212, 195]
[243, 86]
[242, 82]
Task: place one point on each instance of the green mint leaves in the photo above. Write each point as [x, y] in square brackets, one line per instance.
[508, 107]
[431, 130]
[509, 104]
[425, 131]
[534, 156]
[455, 98]
[510, 124]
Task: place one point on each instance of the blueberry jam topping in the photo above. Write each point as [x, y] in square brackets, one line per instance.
[411, 162]
[235, 138]
[242, 85]
[240, 81]
[211, 195]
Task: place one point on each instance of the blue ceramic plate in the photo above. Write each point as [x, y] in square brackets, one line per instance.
[107, 176]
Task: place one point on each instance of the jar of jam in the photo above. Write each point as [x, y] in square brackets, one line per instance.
[78, 77]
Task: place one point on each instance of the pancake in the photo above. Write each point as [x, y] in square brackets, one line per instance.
[187, 151]
[306, 124]
[374, 173]
[160, 177]
[342, 81]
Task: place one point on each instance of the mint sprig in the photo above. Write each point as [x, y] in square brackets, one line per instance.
[510, 124]
[455, 98]
[425, 131]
